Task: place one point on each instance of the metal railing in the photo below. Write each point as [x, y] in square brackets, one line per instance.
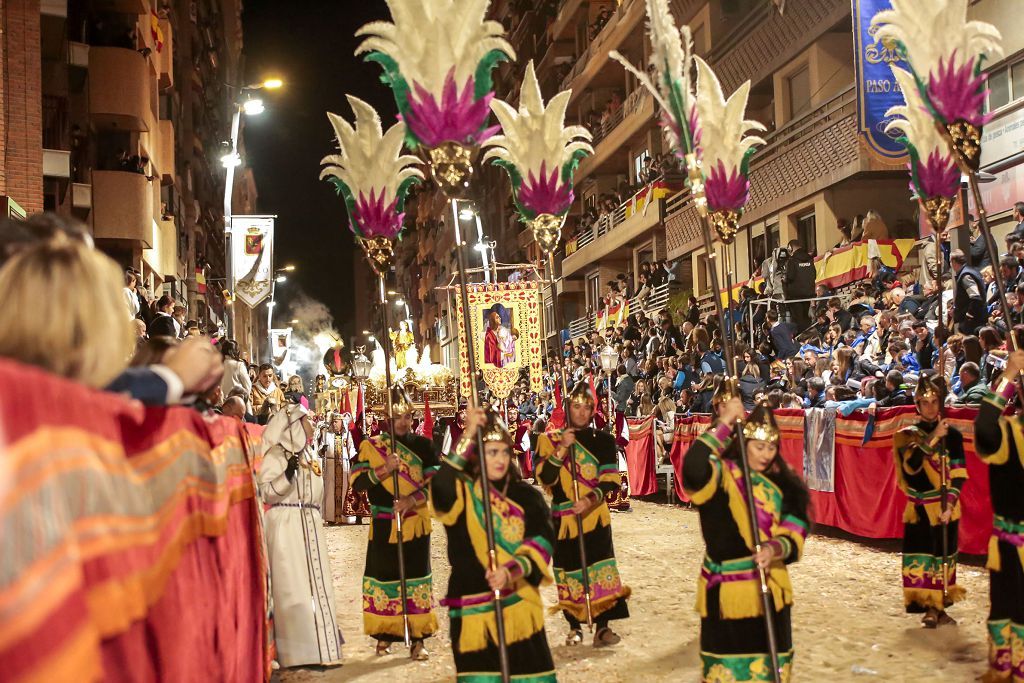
[607, 222]
[655, 301]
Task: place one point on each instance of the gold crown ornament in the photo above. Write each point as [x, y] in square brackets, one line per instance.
[761, 425]
[930, 387]
[401, 404]
[494, 430]
[581, 395]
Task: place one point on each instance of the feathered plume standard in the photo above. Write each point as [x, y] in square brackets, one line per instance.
[671, 56]
[371, 173]
[437, 58]
[725, 147]
[945, 53]
[537, 150]
[934, 176]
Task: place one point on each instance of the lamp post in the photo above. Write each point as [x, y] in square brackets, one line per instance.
[252, 106]
[609, 360]
[361, 366]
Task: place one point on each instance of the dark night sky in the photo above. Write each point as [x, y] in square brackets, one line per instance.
[309, 44]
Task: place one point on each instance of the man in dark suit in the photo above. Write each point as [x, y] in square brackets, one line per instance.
[783, 336]
[799, 284]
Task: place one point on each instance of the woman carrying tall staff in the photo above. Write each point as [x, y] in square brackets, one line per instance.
[597, 475]
[414, 459]
[929, 464]
[998, 439]
[523, 541]
[733, 634]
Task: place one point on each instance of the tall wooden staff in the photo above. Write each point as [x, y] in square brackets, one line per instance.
[373, 176]
[709, 133]
[540, 155]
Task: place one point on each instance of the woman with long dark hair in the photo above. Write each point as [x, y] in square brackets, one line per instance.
[524, 543]
[733, 639]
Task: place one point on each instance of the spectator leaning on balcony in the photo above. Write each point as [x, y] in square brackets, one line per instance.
[782, 335]
[798, 283]
[969, 311]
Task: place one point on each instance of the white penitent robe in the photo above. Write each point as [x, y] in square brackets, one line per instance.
[305, 627]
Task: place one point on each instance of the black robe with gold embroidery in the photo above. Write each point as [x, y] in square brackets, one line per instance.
[598, 471]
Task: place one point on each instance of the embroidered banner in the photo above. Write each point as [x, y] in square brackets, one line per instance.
[877, 89]
[819, 449]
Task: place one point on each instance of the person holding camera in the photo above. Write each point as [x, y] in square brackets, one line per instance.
[799, 284]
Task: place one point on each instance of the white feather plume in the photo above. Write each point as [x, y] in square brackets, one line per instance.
[534, 135]
[933, 31]
[368, 158]
[429, 38]
[914, 120]
[723, 135]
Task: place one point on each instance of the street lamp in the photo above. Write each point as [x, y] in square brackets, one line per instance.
[281, 278]
[252, 106]
[361, 366]
[609, 360]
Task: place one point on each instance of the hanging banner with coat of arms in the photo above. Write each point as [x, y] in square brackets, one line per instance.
[252, 257]
[506, 323]
[877, 89]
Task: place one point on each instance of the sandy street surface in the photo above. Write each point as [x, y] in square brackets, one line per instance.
[848, 618]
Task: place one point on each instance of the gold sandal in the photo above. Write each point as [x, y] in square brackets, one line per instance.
[418, 652]
[575, 637]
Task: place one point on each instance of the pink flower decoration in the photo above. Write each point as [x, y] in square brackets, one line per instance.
[457, 118]
[938, 176]
[546, 194]
[957, 93]
[726, 191]
[374, 218]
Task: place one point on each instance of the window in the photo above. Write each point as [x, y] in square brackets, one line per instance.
[806, 232]
[799, 91]
[639, 164]
[594, 291]
[1005, 85]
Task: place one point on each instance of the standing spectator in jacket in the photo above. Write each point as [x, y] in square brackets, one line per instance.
[624, 385]
[1017, 234]
[969, 311]
[799, 284]
[693, 312]
[130, 298]
[265, 389]
[163, 324]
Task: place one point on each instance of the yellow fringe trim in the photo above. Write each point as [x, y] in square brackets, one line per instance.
[932, 510]
[994, 562]
[567, 527]
[420, 625]
[742, 599]
[413, 527]
[522, 620]
[928, 597]
[597, 607]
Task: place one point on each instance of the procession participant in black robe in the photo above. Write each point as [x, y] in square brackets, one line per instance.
[597, 472]
[999, 441]
[416, 462]
[919, 450]
[733, 637]
[524, 538]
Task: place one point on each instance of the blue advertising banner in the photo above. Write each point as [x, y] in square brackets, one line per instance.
[877, 89]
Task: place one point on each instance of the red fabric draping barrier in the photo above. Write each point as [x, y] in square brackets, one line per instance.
[640, 457]
[132, 539]
[866, 501]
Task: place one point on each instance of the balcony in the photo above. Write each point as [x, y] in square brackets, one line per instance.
[122, 207]
[594, 67]
[655, 301]
[122, 6]
[617, 129]
[564, 24]
[119, 89]
[166, 56]
[614, 232]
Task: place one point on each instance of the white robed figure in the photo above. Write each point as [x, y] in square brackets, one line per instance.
[290, 482]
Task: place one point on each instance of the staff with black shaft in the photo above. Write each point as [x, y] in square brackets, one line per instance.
[696, 178]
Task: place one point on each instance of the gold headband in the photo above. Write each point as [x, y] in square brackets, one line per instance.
[760, 431]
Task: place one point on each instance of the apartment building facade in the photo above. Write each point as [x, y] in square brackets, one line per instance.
[116, 109]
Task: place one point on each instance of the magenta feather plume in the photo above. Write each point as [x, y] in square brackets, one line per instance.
[958, 93]
[726, 191]
[546, 194]
[458, 117]
[938, 176]
[374, 218]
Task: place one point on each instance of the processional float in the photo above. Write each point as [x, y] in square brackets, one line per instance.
[940, 124]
